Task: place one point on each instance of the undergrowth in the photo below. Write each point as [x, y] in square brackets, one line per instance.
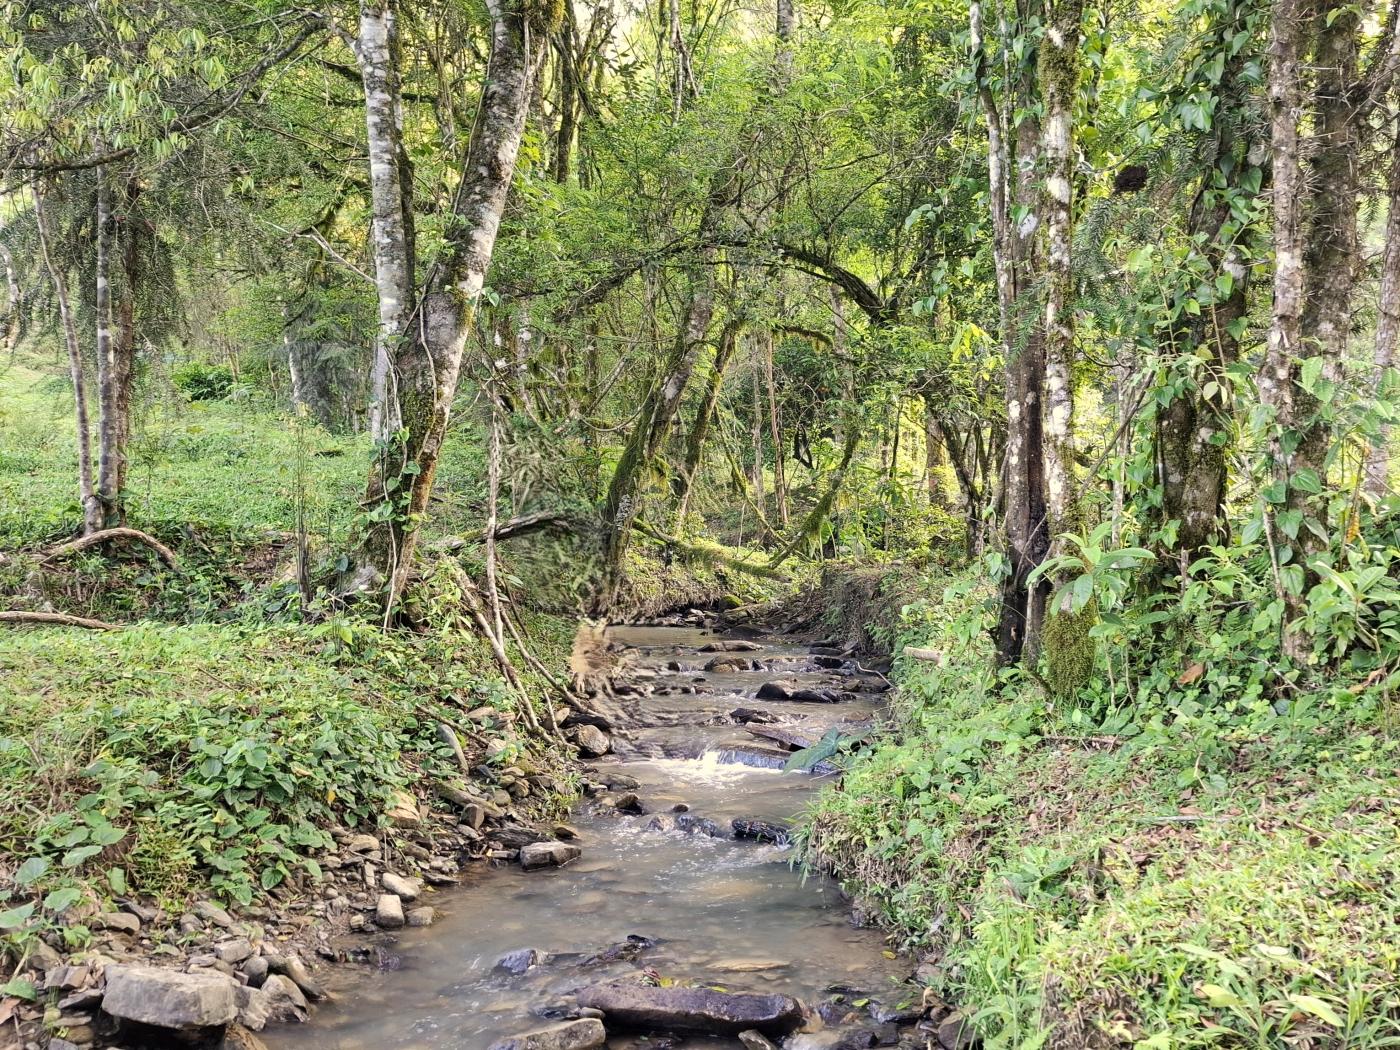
[1208, 859]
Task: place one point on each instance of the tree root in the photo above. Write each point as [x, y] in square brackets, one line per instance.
[55, 620]
[134, 535]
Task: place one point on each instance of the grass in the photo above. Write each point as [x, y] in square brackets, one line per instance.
[211, 744]
[1166, 878]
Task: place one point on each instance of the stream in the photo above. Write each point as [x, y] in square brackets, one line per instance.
[732, 913]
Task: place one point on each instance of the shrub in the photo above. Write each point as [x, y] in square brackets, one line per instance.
[202, 382]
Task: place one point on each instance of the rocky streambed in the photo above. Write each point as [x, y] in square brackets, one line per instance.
[665, 913]
[670, 915]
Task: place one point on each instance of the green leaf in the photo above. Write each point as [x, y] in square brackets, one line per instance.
[1311, 1004]
[74, 857]
[31, 871]
[20, 989]
[16, 917]
[107, 835]
[61, 900]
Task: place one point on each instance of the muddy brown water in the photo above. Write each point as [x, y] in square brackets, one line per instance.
[735, 914]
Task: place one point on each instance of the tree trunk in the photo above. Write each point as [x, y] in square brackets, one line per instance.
[1059, 81]
[391, 202]
[1191, 429]
[427, 360]
[132, 231]
[683, 483]
[935, 458]
[1387, 329]
[775, 427]
[92, 510]
[1011, 182]
[109, 393]
[624, 492]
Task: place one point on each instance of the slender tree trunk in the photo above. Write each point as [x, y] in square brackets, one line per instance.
[132, 233]
[1387, 329]
[775, 428]
[1011, 171]
[109, 418]
[935, 458]
[13, 296]
[391, 223]
[1059, 81]
[756, 439]
[427, 361]
[92, 510]
[683, 484]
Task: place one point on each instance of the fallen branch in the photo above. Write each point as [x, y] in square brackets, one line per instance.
[521, 526]
[134, 535]
[915, 653]
[713, 553]
[56, 620]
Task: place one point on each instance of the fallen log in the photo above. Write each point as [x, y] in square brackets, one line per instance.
[56, 620]
[133, 535]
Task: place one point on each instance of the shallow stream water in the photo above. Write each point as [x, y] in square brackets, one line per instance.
[732, 913]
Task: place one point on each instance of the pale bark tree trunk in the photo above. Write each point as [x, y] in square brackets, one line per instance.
[133, 232]
[92, 510]
[427, 360]
[1059, 80]
[391, 224]
[109, 418]
[1387, 328]
[756, 439]
[13, 296]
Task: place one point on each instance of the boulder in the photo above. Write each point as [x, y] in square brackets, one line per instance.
[363, 843]
[728, 664]
[760, 830]
[520, 960]
[284, 999]
[424, 916]
[732, 645]
[755, 1041]
[388, 912]
[583, 1034]
[118, 922]
[237, 1037]
[234, 951]
[254, 1007]
[695, 1009]
[955, 1032]
[407, 890]
[592, 742]
[168, 999]
[537, 855]
[292, 966]
[773, 691]
[402, 810]
[211, 912]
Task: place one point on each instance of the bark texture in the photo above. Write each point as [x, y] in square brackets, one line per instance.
[391, 224]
